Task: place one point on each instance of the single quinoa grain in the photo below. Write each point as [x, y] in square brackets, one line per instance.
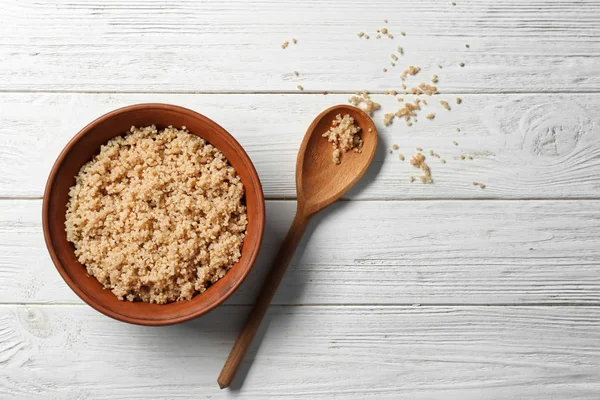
[458, 100]
[388, 118]
[300, 87]
[401, 157]
[430, 116]
[395, 147]
[360, 34]
[445, 104]
[157, 216]
[296, 73]
[462, 64]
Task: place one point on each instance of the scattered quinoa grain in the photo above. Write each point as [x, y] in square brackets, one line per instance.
[462, 157]
[294, 40]
[395, 147]
[445, 104]
[300, 87]
[429, 90]
[363, 99]
[366, 36]
[455, 142]
[443, 161]
[403, 34]
[467, 46]
[389, 35]
[385, 20]
[378, 36]
[434, 79]
[481, 185]
[394, 57]
[458, 100]
[401, 157]
[431, 152]
[430, 116]
[384, 30]
[296, 73]
[411, 70]
[360, 34]
[388, 118]
[385, 70]
[400, 50]
[457, 129]
[462, 64]
[470, 157]
[411, 179]
[285, 44]
[419, 148]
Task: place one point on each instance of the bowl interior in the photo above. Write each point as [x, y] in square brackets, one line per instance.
[81, 150]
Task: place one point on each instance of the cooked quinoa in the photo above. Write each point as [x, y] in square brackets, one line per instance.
[344, 136]
[157, 216]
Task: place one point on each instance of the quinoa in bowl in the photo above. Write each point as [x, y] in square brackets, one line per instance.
[157, 216]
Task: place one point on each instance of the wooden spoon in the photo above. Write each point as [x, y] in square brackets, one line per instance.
[319, 182]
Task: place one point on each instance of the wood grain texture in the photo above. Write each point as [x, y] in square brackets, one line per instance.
[515, 46]
[524, 146]
[428, 252]
[307, 352]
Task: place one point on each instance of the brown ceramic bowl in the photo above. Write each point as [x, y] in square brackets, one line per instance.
[82, 148]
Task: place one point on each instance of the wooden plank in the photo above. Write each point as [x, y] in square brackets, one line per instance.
[307, 352]
[515, 46]
[524, 146]
[428, 252]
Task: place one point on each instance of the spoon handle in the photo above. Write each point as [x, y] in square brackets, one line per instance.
[242, 343]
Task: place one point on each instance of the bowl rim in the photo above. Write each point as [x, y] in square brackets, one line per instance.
[99, 306]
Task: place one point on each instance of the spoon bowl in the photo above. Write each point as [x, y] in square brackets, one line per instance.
[320, 182]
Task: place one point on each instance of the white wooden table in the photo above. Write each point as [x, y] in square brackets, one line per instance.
[403, 290]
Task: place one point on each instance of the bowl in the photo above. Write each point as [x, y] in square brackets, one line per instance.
[82, 148]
